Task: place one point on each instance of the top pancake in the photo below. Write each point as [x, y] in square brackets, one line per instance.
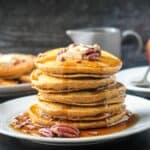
[107, 64]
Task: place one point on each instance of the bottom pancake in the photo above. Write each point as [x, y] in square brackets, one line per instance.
[78, 124]
[39, 112]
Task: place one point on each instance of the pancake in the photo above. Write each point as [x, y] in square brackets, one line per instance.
[25, 78]
[4, 82]
[113, 100]
[78, 124]
[56, 109]
[78, 75]
[107, 64]
[90, 118]
[84, 97]
[13, 66]
[42, 81]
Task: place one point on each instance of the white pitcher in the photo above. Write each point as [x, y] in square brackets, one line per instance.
[108, 37]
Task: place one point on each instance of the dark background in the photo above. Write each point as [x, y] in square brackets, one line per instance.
[32, 26]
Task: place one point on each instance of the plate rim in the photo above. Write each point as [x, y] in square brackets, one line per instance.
[16, 90]
[74, 140]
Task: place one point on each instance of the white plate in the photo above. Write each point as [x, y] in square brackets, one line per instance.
[126, 77]
[9, 109]
[16, 90]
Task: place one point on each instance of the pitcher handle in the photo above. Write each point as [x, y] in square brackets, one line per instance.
[127, 33]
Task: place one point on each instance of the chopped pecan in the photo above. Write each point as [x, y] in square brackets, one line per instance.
[20, 121]
[65, 131]
[46, 132]
[91, 50]
[19, 124]
[93, 56]
[79, 52]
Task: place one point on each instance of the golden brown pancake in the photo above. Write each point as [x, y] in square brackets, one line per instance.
[56, 109]
[84, 97]
[106, 65]
[113, 100]
[13, 66]
[78, 124]
[25, 78]
[68, 76]
[90, 118]
[4, 82]
[45, 82]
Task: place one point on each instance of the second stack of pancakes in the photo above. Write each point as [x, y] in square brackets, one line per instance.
[80, 99]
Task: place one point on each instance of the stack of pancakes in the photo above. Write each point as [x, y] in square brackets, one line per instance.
[82, 94]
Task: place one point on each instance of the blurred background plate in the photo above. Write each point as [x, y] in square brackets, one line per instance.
[7, 92]
[127, 76]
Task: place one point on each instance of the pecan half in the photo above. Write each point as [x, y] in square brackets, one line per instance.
[91, 50]
[91, 54]
[46, 132]
[65, 131]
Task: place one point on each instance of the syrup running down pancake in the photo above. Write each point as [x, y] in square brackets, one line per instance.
[107, 64]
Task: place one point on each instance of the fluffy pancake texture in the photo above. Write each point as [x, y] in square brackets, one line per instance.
[36, 118]
[42, 81]
[85, 97]
[72, 76]
[106, 65]
[54, 109]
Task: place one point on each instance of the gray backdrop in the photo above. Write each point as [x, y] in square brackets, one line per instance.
[31, 26]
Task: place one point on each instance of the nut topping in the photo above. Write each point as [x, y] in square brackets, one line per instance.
[59, 131]
[79, 52]
[20, 121]
[46, 132]
[65, 131]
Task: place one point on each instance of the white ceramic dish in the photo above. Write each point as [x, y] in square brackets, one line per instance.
[126, 77]
[9, 109]
[16, 90]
